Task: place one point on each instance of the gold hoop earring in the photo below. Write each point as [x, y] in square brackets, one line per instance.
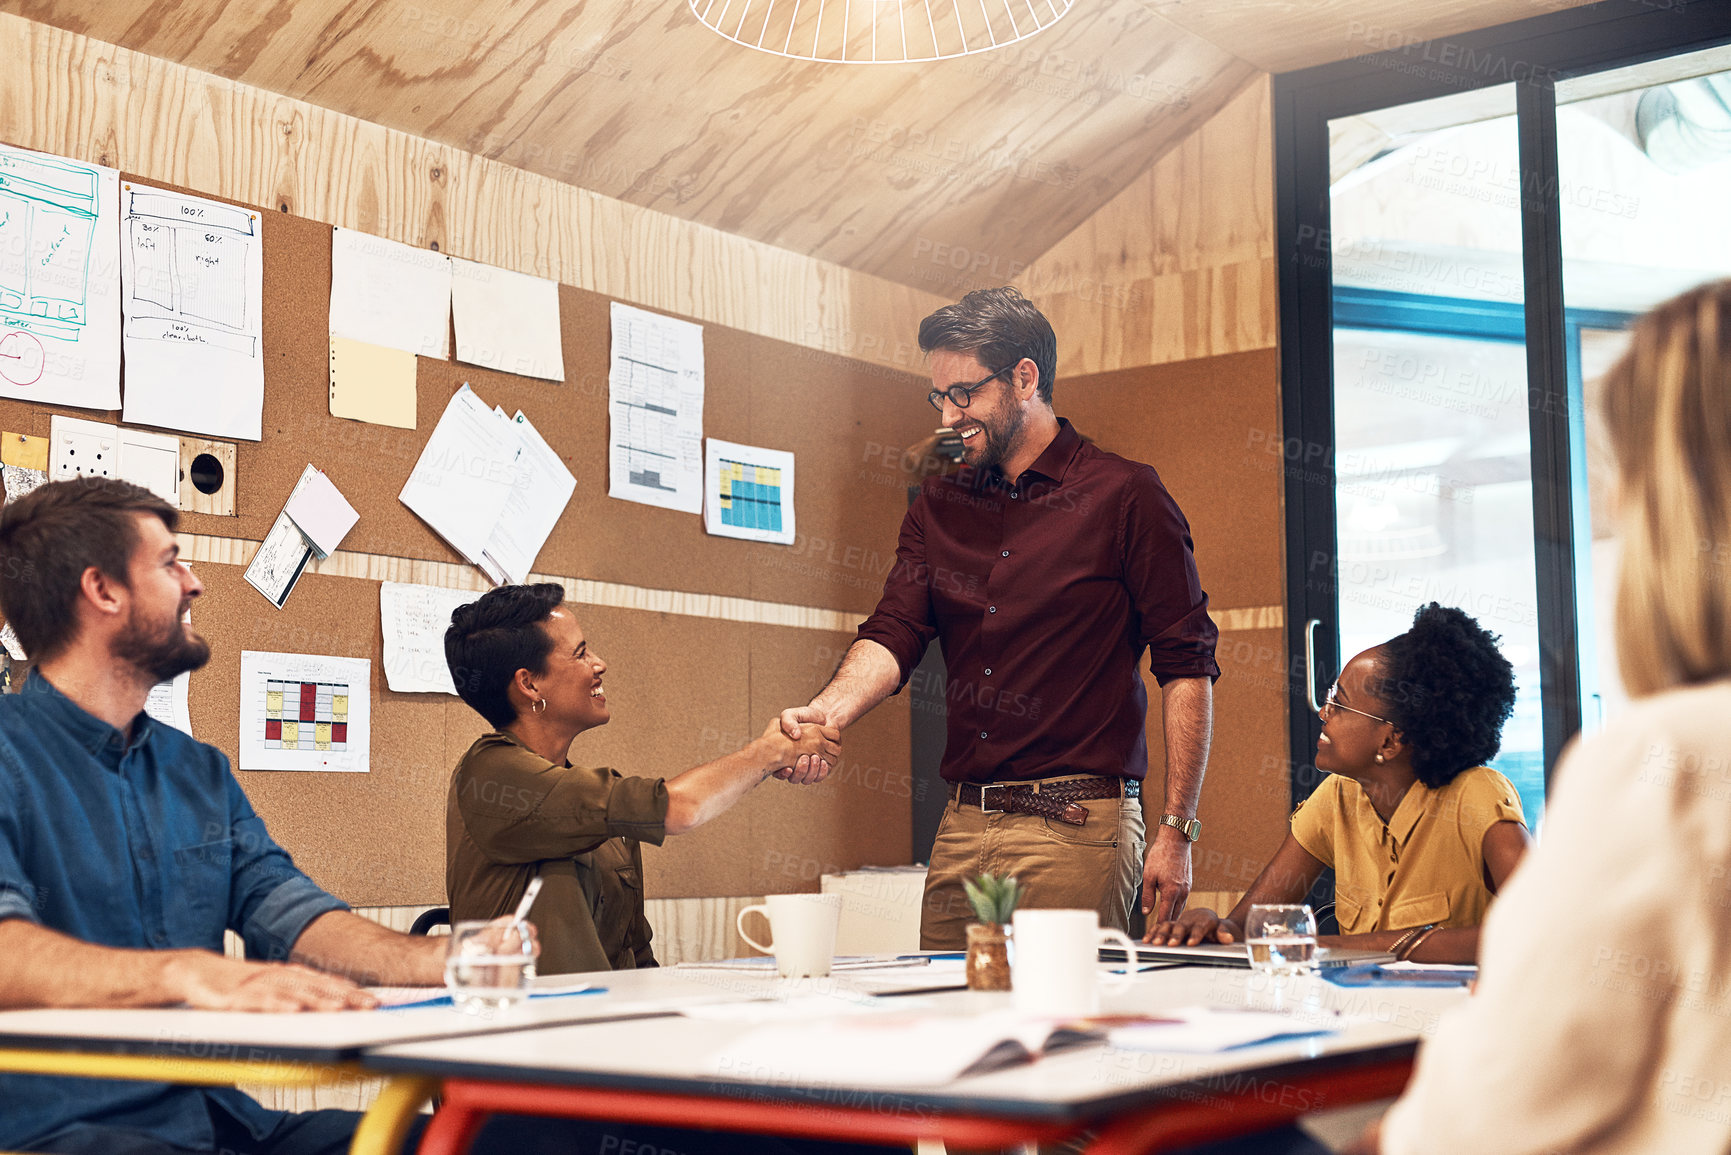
[540, 707]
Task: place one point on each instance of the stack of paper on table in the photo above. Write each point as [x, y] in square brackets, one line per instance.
[1200, 1030]
[896, 1049]
[766, 964]
[491, 486]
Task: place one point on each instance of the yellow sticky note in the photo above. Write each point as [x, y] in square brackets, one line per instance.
[372, 383]
[291, 735]
[24, 452]
[322, 736]
[340, 706]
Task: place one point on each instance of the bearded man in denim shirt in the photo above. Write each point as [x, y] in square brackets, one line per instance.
[127, 848]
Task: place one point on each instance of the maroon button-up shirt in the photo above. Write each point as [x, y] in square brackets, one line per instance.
[1045, 591]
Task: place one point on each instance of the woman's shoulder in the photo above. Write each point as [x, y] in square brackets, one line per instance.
[1479, 797]
[495, 749]
[1682, 730]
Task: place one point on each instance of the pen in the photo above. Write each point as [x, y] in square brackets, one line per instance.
[528, 899]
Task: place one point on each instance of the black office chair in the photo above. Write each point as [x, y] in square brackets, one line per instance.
[438, 916]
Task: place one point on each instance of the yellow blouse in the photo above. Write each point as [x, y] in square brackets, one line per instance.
[1426, 865]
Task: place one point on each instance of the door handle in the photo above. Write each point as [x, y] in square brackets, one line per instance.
[1310, 665]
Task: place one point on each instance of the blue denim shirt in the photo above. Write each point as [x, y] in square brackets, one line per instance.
[144, 843]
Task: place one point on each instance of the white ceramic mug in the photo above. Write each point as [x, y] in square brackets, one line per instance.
[1054, 962]
[804, 928]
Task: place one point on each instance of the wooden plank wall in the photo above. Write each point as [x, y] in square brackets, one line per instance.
[1180, 264]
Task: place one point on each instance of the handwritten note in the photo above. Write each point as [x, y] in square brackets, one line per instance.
[192, 271]
[59, 281]
[415, 619]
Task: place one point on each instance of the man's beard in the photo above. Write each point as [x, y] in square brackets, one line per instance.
[999, 439]
[162, 654]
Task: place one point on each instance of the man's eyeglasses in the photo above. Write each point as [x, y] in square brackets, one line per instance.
[1332, 703]
[960, 395]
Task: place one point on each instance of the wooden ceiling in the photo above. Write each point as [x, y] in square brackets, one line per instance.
[913, 172]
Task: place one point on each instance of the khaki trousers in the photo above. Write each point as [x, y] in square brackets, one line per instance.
[1096, 866]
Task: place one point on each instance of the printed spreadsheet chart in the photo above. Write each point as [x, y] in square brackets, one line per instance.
[306, 715]
[750, 496]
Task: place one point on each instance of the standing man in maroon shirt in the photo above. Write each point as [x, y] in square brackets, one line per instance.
[1046, 567]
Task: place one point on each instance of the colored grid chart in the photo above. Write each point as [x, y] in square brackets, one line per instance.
[750, 496]
[306, 715]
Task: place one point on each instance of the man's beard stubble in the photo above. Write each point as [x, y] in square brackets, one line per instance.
[161, 655]
[999, 440]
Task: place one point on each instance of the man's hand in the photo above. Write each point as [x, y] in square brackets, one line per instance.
[1196, 925]
[212, 982]
[809, 758]
[1166, 875]
[793, 723]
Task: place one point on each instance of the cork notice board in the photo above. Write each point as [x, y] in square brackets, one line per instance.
[684, 689]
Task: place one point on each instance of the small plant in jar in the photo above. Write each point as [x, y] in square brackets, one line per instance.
[994, 901]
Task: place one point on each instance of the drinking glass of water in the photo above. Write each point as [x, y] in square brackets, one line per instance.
[1281, 939]
[490, 965]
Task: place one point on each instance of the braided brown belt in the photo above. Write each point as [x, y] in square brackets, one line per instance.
[1049, 800]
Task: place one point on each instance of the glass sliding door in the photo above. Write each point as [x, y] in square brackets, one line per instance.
[1465, 229]
[1432, 460]
[1644, 182]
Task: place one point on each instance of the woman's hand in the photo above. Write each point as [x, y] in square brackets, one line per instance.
[808, 760]
[1196, 925]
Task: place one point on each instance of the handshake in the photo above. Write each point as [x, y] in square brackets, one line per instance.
[804, 746]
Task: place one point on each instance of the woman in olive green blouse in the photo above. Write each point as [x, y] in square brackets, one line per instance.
[517, 808]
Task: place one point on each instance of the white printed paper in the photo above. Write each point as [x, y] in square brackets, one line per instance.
[391, 294]
[415, 619]
[541, 488]
[192, 271]
[59, 281]
[748, 492]
[167, 703]
[304, 712]
[9, 639]
[463, 478]
[655, 410]
[507, 320]
[322, 514]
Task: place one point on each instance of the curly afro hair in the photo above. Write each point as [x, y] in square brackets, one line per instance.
[1449, 690]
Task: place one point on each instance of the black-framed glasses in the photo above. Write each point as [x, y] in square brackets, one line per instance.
[960, 395]
[1332, 703]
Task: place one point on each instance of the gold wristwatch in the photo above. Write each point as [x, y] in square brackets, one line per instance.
[1190, 828]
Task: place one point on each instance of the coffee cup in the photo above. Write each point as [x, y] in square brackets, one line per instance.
[1054, 962]
[803, 928]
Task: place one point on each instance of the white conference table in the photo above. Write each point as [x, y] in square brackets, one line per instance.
[664, 1070]
[216, 1048]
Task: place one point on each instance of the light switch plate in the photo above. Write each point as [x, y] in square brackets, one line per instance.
[153, 461]
[81, 448]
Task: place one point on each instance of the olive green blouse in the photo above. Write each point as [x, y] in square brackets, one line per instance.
[511, 815]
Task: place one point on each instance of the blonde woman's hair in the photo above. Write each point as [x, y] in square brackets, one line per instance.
[1667, 409]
